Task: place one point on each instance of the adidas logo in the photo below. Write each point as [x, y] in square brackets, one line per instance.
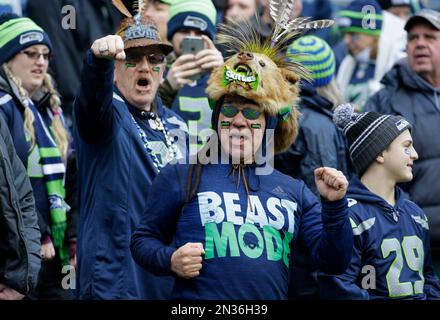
[279, 191]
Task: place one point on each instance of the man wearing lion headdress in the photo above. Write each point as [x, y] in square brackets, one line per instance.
[234, 223]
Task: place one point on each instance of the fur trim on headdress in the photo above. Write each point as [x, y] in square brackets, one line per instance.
[259, 70]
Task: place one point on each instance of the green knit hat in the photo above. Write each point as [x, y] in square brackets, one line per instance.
[17, 34]
[198, 15]
[316, 55]
[361, 16]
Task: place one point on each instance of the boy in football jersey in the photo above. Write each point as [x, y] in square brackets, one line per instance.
[391, 255]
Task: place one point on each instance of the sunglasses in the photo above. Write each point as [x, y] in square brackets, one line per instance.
[230, 111]
[35, 55]
[152, 58]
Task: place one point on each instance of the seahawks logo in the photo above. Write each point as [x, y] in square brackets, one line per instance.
[31, 36]
[195, 22]
[401, 124]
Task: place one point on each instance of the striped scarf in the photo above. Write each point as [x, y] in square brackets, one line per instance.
[53, 170]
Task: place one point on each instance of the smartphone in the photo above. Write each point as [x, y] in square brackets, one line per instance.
[192, 45]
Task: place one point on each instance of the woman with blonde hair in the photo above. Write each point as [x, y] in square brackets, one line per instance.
[30, 106]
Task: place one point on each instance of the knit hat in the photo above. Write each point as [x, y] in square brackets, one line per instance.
[17, 34]
[316, 55]
[386, 4]
[197, 15]
[361, 16]
[368, 133]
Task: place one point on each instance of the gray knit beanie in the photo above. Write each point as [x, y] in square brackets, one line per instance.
[368, 133]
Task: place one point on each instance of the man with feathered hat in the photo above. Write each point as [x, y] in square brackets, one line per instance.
[233, 222]
[124, 137]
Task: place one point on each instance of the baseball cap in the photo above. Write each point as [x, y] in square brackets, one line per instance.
[427, 15]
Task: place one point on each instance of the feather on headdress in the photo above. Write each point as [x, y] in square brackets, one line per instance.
[280, 11]
[131, 8]
[138, 29]
[258, 69]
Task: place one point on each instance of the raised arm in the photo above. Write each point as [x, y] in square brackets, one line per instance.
[327, 231]
[93, 110]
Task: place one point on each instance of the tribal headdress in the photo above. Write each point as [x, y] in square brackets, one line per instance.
[258, 69]
[138, 29]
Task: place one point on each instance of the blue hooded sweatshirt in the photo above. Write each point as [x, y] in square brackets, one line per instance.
[249, 242]
[115, 174]
[391, 254]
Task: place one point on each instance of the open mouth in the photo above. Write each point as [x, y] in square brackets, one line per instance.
[243, 68]
[143, 83]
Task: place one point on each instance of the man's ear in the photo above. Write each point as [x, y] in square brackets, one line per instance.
[380, 158]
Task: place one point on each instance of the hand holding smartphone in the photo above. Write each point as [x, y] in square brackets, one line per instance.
[192, 45]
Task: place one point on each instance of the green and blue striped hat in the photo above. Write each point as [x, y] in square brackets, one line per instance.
[316, 55]
[197, 15]
[361, 16]
[17, 34]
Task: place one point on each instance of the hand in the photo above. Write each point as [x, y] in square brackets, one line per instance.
[181, 70]
[186, 261]
[110, 47]
[331, 183]
[47, 251]
[210, 57]
[7, 293]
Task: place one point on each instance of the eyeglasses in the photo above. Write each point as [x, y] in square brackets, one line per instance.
[152, 58]
[354, 36]
[231, 111]
[35, 55]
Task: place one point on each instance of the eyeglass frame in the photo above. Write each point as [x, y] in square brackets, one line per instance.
[35, 55]
[244, 112]
[139, 57]
[354, 36]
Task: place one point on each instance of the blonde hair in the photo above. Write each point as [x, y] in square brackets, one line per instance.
[29, 117]
[59, 131]
[331, 92]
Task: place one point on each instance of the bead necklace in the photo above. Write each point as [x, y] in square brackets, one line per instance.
[157, 124]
